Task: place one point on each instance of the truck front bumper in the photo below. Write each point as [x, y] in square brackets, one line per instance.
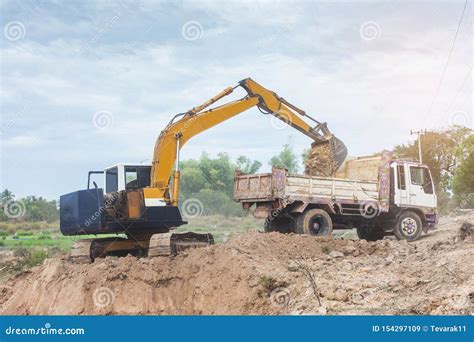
[431, 220]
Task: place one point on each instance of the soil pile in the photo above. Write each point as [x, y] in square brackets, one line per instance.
[320, 161]
[257, 273]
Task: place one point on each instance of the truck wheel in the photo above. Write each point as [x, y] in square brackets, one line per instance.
[314, 222]
[408, 227]
[370, 234]
[362, 233]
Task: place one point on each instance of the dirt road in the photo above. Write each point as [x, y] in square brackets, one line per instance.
[256, 273]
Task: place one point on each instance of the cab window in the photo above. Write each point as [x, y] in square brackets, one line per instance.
[421, 176]
[401, 177]
[111, 180]
[131, 178]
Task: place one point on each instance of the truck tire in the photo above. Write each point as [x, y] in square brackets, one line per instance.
[314, 222]
[370, 234]
[408, 227]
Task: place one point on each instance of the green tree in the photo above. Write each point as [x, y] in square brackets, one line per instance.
[246, 165]
[211, 181]
[40, 209]
[286, 159]
[192, 178]
[34, 208]
[440, 151]
[6, 196]
[463, 179]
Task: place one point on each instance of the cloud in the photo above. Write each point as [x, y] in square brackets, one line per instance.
[81, 58]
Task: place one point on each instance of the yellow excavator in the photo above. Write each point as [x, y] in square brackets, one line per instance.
[141, 201]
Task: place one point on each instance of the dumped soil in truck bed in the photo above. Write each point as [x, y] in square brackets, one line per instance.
[320, 162]
[257, 273]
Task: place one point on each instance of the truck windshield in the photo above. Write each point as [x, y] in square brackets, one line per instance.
[421, 176]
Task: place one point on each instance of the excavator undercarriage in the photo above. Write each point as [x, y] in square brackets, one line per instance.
[163, 244]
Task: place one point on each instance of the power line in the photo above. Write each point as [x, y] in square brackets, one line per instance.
[447, 61]
[460, 89]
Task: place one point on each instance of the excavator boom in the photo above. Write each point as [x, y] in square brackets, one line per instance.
[186, 125]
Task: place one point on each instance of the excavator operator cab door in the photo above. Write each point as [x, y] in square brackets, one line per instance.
[126, 177]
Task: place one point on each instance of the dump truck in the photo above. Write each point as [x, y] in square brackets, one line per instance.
[140, 202]
[377, 195]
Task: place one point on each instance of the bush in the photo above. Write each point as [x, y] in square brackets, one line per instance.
[214, 203]
[21, 252]
[28, 258]
[36, 257]
[325, 249]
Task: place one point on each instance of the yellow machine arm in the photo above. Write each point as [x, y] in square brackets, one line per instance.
[184, 126]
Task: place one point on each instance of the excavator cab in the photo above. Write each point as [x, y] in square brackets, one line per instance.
[123, 177]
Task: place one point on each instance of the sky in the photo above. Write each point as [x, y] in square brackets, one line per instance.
[88, 84]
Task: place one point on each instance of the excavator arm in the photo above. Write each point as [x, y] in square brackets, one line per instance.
[186, 125]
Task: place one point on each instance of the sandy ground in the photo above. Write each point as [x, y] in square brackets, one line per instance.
[257, 273]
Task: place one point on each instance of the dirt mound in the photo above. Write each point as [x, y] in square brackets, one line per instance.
[257, 273]
[320, 161]
[466, 231]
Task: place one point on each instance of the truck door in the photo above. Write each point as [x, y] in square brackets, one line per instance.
[421, 187]
[400, 184]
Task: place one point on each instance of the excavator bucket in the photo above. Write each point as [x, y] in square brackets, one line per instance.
[175, 243]
[182, 241]
[325, 157]
[337, 149]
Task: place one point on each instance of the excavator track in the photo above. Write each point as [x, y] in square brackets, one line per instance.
[80, 252]
[160, 245]
[156, 245]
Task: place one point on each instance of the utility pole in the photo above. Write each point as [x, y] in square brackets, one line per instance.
[419, 133]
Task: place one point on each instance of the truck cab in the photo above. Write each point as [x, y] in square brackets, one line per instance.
[413, 185]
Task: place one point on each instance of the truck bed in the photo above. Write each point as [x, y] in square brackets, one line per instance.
[278, 184]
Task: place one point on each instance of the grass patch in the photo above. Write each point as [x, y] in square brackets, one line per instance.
[30, 258]
[325, 249]
[32, 235]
